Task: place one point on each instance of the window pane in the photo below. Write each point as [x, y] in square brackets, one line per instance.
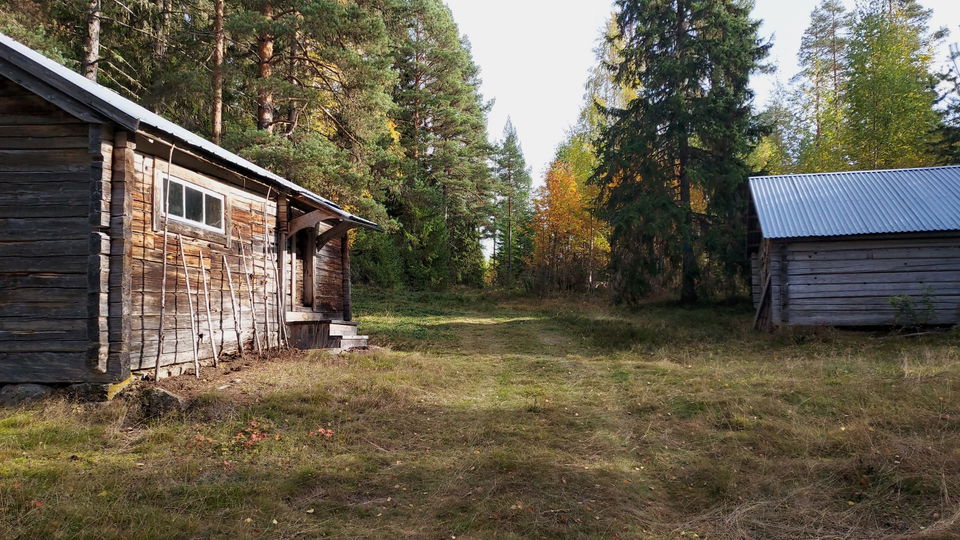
[193, 205]
[175, 199]
[214, 212]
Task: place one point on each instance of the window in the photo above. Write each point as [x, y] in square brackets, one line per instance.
[195, 205]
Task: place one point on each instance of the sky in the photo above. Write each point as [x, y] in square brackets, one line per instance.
[535, 55]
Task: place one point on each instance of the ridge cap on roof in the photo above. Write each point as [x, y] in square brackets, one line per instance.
[865, 171]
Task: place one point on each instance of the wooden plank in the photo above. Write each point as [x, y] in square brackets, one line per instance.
[41, 295]
[44, 335]
[870, 304]
[333, 233]
[17, 229]
[950, 240]
[48, 367]
[777, 284]
[48, 264]
[44, 211]
[34, 119]
[951, 252]
[38, 323]
[63, 192]
[29, 160]
[311, 220]
[878, 277]
[51, 345]
[44, 143]
[44, 309]
[799, 292]
[831, 318]
[49, 281]
[45, 132]
[799, 268]
[51, 179]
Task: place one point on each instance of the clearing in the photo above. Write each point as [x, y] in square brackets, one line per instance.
[516, 417]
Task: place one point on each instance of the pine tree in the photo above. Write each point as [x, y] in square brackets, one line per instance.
[372, 103]
[513, 211]
[671, 161]
[821, 84]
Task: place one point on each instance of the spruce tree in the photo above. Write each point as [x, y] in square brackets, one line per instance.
[671, 162]
[513, 209]
[446, 193]
[948, 146]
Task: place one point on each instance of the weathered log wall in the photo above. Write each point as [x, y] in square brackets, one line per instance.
[252, 219]
[55, 215]
[851, 281]
[82, 252]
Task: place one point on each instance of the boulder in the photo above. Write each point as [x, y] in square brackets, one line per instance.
[12, 395]
[156, 402]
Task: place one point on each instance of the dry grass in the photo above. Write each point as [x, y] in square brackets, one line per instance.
[490, 416]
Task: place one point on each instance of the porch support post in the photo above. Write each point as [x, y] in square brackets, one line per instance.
[283, 215]
[347, 288]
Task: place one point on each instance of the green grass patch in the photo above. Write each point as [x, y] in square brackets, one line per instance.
[489, 415]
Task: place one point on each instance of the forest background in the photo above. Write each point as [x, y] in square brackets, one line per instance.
[376, 104]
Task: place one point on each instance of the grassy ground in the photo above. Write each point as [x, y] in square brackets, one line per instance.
[488, 416]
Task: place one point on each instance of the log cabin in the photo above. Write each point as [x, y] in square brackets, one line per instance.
[861, 249]
[129, 245]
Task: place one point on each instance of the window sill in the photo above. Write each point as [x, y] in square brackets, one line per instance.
[185, 229]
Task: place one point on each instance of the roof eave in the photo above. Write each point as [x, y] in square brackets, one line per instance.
[52, 79]
[40, 75]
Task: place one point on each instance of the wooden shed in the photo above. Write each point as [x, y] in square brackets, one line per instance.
[99, 278]
[864, 248]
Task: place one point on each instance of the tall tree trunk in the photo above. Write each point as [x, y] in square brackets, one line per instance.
[216, 129]
[163, 28]
[265, 51]
[590, 255]
[688, 289]
[293, 112]
[510, 233]
[91, 43]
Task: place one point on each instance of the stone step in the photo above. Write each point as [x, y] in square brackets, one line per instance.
[349, 342]
[344, 330]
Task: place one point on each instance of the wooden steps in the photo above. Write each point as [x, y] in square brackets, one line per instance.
[309, 330]
[343, 335]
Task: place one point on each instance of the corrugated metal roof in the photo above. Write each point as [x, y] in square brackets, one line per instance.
[132, 116]
[858, 202]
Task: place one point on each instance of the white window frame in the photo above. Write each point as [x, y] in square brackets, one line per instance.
[164, 182]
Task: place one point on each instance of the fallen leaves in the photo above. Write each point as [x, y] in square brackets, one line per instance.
[321, 432]
[252, 435]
